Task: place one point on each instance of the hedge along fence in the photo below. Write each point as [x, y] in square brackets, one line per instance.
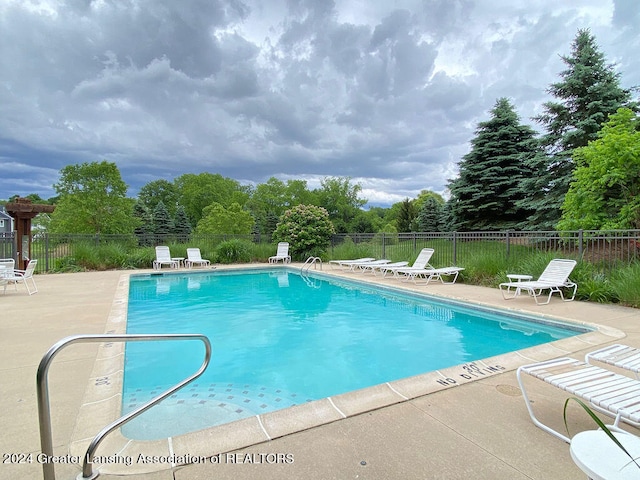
[603, 249]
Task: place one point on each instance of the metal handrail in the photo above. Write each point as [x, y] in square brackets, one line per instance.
[309, 262]
[44, 413]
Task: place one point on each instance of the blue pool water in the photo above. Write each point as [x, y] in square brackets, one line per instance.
[280, 339]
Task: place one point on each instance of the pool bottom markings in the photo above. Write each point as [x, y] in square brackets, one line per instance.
[200, 406]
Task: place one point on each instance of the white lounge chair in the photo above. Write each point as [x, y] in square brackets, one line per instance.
[364, 266]
[23, 276]
[379, 266]
[554, 278]
[608, 392]
[282, 254]
[429, 274]
[421, 262]
[346, 264]
[194, 258]
[163, 257]
[621, 356]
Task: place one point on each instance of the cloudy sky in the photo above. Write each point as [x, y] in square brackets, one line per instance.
[387, 92]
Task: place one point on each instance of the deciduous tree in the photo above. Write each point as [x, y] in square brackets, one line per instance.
[92, 199]
[605, 192]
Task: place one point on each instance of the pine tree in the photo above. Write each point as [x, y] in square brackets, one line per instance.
[485, 196]
[406, 216]
[161, 220]
[589, 91]
[181, 225]
[145, 223]
[430, 217]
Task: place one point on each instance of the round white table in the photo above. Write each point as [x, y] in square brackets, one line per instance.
[601, 459]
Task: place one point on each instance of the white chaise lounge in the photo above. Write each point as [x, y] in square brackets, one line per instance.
[421, 262]
[194, 258]
[163, 257]
[608, 392]
[554, 278]
[617, 355]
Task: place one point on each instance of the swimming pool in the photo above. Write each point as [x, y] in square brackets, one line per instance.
[280, 339]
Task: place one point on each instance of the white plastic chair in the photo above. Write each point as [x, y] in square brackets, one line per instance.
[194, 257]
[23, 276]
[163, 257]
[282, 254]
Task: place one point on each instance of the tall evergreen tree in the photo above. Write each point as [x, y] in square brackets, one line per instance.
[430, 217]
[406, 216]
[181, 225]
[486, 193]
[145, 222]
[588, 92]
[162, 223]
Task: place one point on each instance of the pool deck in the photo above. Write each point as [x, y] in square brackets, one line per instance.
[477, 429]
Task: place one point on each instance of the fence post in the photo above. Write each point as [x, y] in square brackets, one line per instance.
[384, 245]
[455, 248]
[508, 238]
[580, 237]
[46, 252]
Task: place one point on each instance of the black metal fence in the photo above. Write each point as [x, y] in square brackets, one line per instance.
[603, 248]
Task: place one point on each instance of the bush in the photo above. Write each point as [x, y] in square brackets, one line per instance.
[308, 230]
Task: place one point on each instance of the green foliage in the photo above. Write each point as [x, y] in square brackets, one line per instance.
[487, 194]
[350, 250]
[109, 256]
[233, 251]
[269, 201]
[406, 216]
[341, 200]
[430, 216]
[195, 192]
[232, 220]
[625, 282]
[588, 92]
[92, 200]
[307, 228]
[161, 221]
[145, 219]
[605, 192]
[159, 191]
[181, 225]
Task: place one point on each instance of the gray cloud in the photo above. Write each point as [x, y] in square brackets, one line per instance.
[389, 94]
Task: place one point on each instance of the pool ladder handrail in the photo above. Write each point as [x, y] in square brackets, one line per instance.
[309, 262]
[44, 412]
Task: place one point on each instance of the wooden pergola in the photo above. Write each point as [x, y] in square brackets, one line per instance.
[22, 210]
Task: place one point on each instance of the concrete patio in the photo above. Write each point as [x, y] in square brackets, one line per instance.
[479, 429]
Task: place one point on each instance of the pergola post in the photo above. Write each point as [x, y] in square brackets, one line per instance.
[23, 210]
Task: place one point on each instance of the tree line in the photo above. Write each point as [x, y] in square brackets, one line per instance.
[583, 171]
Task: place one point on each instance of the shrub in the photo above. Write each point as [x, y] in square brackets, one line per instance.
[307, 228]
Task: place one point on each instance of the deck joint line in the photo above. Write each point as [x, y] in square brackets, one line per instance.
[396, 392]
[334, 406]
[264, 430]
